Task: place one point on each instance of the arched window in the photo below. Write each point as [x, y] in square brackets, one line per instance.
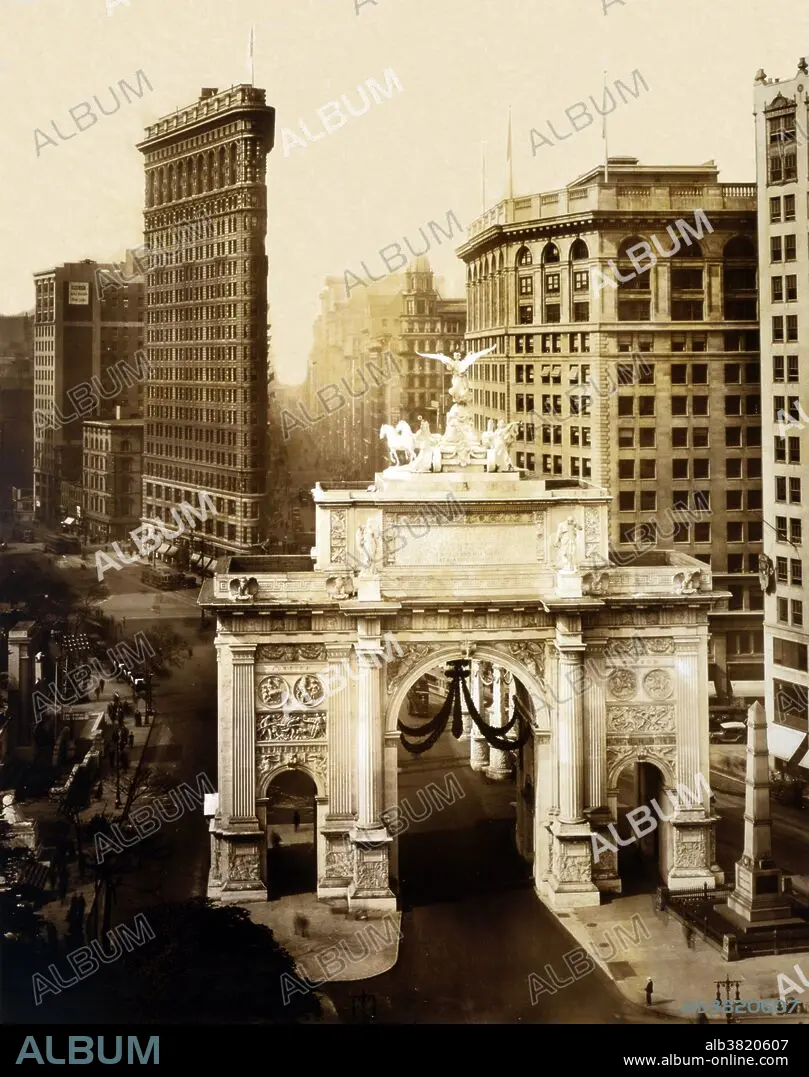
[524, 257]
[234, 170]
[739, 286]
[550, 254]
[579, 251]
[170, 193]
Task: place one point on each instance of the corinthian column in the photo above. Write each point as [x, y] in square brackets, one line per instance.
[244, 734]
[688, 710]
[339, 727]
[498, 768]
[369, 737]
[595, 727]
[474, 691]
[571, 745]
[478, 746]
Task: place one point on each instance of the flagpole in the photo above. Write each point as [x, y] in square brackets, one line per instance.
[483, 174]
[604, 133]
[251, 50]
[509, 161]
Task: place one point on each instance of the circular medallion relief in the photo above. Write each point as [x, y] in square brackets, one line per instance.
[657, 684]
[309, 690]
[273, 691]
[622, 683]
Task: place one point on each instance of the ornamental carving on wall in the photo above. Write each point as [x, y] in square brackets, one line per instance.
[532, 656]
[619, 756]
[291, 652]
[691, 854]
[309, 690]
[312, 757]
[339, 859]
[243, 867]
[414, 654]
[292, 726]
[337, 537]
[574, 869]
[658, 684]
[273, 691]
[592, 533]
[622, 683]
[540, 519]
[639, 719]
[372, 875]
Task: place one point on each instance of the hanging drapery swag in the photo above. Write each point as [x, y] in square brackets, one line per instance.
[458, 672]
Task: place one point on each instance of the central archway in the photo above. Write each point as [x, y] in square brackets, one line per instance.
[534, 787]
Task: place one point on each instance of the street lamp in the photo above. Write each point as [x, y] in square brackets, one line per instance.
[727, 984]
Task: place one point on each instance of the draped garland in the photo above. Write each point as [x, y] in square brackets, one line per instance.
[497, 736]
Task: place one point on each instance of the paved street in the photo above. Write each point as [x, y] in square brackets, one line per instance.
[473, 929]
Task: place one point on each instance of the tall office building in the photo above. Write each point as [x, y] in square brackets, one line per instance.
[636, 371]
[782, 123]
[86, 362]
[429, 324]
[205, 225]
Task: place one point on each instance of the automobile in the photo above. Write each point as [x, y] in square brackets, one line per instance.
[731, 733]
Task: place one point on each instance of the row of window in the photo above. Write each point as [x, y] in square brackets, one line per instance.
[682, 532]
[790, 612]
[778, 321]
[788, 489]
[788, 653]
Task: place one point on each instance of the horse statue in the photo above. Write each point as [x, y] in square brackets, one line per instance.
[400, 438]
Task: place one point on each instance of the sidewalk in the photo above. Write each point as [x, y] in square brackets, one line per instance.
[655, 947]
[46, 812]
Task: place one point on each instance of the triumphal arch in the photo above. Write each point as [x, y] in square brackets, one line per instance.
[451, 554]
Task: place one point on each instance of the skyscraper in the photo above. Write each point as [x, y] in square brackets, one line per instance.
[782, 123]
[205, 224]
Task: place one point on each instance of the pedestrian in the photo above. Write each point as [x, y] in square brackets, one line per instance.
[296, 820]
[98, 690]
[131, 740]
[62, 883]
[649, 989]
[688, 932]
[101, 684]
[275, 840]
[301, 926]
[123, 623]
[190, 652]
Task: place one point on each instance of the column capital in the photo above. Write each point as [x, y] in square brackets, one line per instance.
[336, 652]
[687, 645]
[243, 654]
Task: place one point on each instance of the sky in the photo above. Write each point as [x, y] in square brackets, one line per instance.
[410, 159]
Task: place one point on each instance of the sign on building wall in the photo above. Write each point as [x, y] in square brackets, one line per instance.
[78, 294]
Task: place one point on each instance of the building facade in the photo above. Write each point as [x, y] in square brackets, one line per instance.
[364, 371]
[781, 126]
[623, 313]
[205, 225]
[111, 502]
[88, 360]
[429, 324]
[16, 425]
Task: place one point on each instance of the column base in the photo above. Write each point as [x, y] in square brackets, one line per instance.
[339, 859]
[692, 854]
[497, 772]
[478, 754]
[237, 869]
[370, 888]
[570, 883]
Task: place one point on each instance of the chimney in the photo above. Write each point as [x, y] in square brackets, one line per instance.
[117, 411]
